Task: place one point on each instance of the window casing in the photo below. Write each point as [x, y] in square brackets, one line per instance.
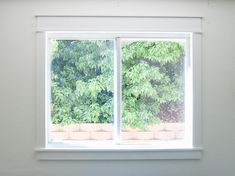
[190, 33]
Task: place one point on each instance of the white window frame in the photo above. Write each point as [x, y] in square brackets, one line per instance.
[116, 27]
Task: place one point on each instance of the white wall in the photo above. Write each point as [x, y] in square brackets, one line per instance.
[18, 88]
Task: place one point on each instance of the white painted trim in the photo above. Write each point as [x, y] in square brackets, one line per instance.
[89, 35]
[44, 153]
[117, 154]
[197, 89]
[47, 60]
[188, 100]
[102, 23]
[41, 89]
[116, 16]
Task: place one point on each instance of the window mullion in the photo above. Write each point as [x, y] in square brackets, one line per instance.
[117, 91]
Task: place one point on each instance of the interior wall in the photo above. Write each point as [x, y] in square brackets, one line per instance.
[18, 87]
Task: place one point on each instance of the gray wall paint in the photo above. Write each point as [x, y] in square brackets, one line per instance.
[18, 88]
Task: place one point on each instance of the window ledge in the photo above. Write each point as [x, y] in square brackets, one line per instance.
[117, 154]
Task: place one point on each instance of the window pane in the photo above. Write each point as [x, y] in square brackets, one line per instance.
[153, 90]
[81, 82]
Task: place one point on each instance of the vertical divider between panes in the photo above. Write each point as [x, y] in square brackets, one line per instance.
[117, 91]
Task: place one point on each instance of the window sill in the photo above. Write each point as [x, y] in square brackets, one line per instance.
[117, 154]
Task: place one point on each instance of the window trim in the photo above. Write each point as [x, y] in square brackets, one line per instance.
[45, 23]
[117, 154]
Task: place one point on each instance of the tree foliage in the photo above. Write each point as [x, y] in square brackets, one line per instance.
[82, 80]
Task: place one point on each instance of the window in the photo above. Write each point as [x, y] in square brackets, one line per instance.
[118, 88]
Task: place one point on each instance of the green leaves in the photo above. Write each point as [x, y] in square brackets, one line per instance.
[82, 80]
[85, 68]
[151, 76]
[160, 51]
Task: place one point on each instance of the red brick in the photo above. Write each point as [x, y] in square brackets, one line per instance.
[101, 135]
[106, 127]
[55, 128]
[90, 127]
[54, 136]
[158, 127]
[165, 135]
[144, 135]
[127, 135]
[79, 135]
[174, 126]
[71, 127]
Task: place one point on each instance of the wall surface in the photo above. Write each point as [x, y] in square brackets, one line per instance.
[18, 88]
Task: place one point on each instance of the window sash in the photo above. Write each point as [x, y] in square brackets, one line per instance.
[117, 37]
[117, 91]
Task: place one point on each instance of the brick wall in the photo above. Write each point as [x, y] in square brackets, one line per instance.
[163, 131]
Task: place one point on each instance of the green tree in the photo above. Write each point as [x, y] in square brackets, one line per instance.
[82, 80]
[152, 76]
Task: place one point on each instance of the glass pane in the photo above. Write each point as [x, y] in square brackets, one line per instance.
[81, 82]
[153, 90]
